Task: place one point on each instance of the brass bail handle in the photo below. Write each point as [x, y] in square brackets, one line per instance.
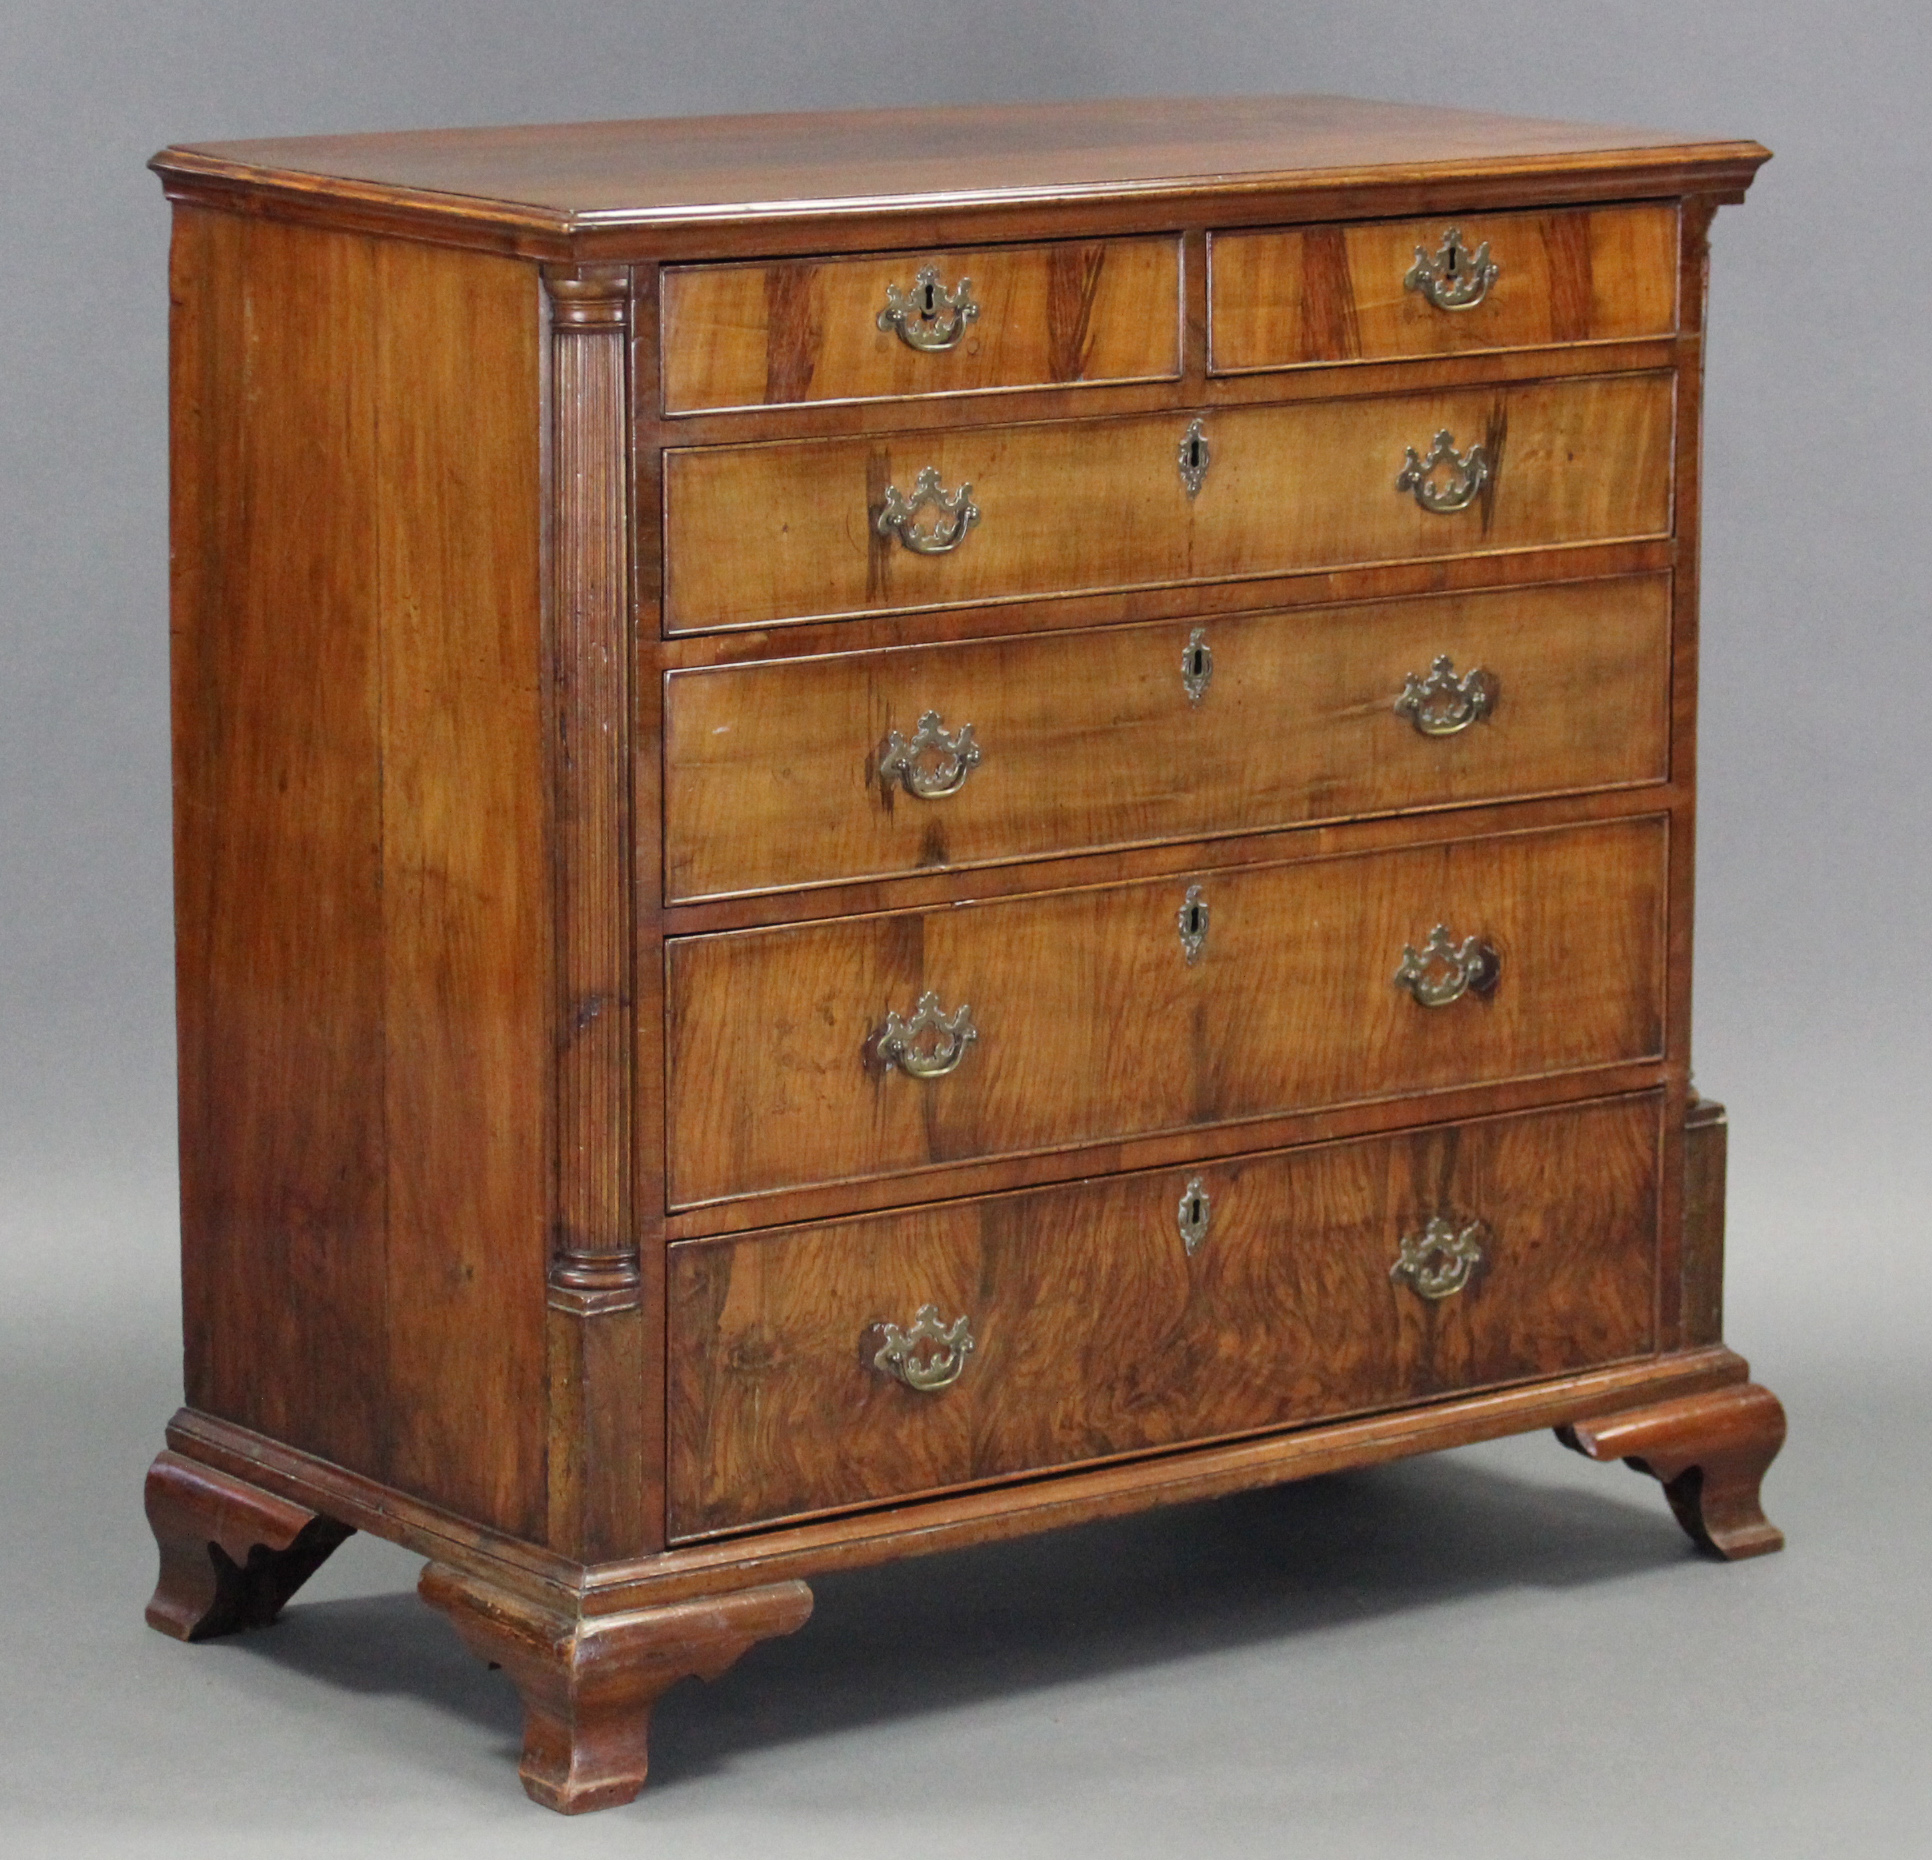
[1442, 971]
[1454, 278]
[1442, 704]
[1440, 1260]
[1445, 481]
[928, 1355]
[928, 317]
[955, 514]
[932, 765]
[930, 1044]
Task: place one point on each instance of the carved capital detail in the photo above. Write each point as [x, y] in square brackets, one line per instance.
[589, 297]
[595, 1284]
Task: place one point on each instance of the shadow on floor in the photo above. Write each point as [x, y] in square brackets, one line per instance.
[1045, 1611]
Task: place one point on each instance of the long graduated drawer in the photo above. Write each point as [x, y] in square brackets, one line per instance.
[855, 765]
[829, 1051]
[800, 529]
[1144, 1311]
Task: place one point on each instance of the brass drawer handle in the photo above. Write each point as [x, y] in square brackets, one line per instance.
[1456, 278]
[931, 1043]
[1443, 970]
[1443, 704]
[1461, 482]
[929, 317]
[957, 514]
[928, 1355]
[1439, 1261]
[933, 765]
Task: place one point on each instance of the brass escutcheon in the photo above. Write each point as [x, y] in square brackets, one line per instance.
[1196, 1210]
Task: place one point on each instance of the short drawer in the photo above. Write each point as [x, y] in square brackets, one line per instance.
[1039, 1330]
[805, 529]
[1163, 1004]
[866, 764]
[899, 324]
[1300, 296]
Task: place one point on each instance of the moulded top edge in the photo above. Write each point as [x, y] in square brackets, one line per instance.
[679, 172]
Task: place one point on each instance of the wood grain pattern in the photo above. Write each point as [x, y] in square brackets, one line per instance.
[362, 934]
[278, 832]
[1092, 1025]
[465, 877]
[760, 534]
[1089, 739]
[1096, 1334]
[744, 183]
[772, 335]
[1298, 296]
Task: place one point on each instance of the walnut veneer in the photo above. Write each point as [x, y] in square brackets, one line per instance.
[898, 828]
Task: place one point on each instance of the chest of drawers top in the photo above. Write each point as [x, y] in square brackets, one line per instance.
[682, 187]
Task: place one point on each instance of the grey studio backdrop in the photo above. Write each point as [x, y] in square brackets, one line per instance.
[1505, 1651]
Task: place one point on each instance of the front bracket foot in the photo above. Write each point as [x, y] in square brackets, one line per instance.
[590, 1682]
[1710, 1452]
[231, 1554]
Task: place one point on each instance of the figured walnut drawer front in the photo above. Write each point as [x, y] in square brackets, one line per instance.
[802, 771]
[792, 530]
[1029, 316]
[1090, 1022]
[1095, 1330]
[1303, 295]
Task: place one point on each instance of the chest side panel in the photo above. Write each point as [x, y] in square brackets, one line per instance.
[361, 880]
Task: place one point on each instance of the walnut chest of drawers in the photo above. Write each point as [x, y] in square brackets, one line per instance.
[898, 828]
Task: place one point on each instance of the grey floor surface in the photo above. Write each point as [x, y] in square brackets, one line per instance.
[1502, 1652]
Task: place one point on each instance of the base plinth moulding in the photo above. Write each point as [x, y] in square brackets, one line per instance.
[591, 1648]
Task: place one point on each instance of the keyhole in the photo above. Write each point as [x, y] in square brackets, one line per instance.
[929, 297]
[1197, 661]
[1194, 1211]
[1194, 449]
[1196, 919]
